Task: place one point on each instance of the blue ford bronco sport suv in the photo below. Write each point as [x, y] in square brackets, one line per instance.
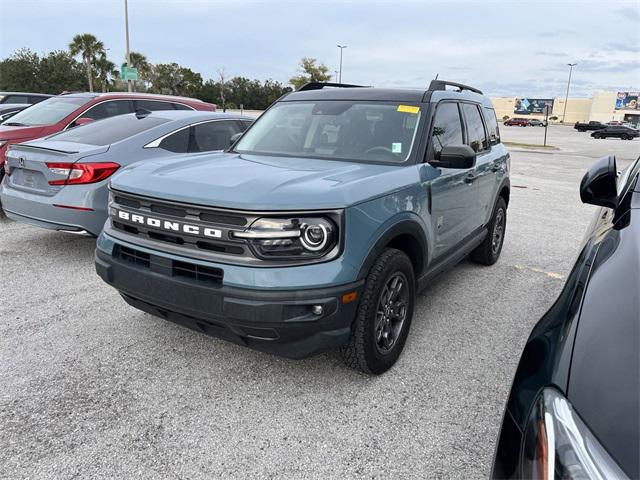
[317, 227]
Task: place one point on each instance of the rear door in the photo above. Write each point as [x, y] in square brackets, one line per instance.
[453, 192]
[485, 175]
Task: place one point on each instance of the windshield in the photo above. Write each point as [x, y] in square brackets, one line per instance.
[341, 130]
[109, 130]
[47, 112]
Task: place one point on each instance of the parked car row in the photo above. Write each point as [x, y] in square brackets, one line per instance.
[524, 122]
[66, 111]
[320, 222]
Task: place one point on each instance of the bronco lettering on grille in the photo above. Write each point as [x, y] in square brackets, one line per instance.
[168, 225]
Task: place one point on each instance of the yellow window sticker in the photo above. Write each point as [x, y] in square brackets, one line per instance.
[408, 109]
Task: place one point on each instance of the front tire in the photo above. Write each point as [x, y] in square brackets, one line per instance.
[488, 252]
[384, 315]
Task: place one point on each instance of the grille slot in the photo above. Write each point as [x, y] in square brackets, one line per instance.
[128, 202]
[171, 211]
[224, 219]
[135, 257]
[217, 247]
[197, 272]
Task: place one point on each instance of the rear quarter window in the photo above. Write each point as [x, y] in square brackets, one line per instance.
[492, 125]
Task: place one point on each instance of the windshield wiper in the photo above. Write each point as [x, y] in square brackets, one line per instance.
[14, 124]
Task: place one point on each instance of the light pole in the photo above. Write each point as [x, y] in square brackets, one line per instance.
[341, 47]
[126, 32]
[566, 98]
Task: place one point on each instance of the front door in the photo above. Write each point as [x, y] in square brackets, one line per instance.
[454, 192]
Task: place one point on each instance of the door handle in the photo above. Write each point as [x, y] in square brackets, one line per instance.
[470, 178]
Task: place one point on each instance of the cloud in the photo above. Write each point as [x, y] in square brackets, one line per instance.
[630, 13]
[551, 54]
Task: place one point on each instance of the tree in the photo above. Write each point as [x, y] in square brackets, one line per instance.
[176, 80]
[25, 71]
[310, 73]
[87, 46]
[59, 72]
[221, 76]
[106, 70]
[19, 72]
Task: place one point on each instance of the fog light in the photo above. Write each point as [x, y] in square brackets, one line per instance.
[317, 310]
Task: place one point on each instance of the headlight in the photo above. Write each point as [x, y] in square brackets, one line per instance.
[558, 444]
[298, 237]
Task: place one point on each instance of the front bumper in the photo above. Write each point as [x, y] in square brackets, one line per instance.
[280, 322]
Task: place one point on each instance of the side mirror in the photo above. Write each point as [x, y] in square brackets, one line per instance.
[599, 186]
[82, 121]
[234, 138]
[456, 156]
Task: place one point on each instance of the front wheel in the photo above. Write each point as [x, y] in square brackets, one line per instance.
[488, 252]
[384, 315]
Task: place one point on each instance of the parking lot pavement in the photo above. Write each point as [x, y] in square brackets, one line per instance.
[90, 387]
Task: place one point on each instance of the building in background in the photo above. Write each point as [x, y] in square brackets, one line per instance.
[603, 107]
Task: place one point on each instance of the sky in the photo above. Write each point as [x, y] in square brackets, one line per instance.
[506, 48]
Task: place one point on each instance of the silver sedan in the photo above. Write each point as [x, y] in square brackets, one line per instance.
[60, 182]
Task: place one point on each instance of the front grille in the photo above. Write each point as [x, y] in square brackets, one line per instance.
[205, 217]
[197, 272]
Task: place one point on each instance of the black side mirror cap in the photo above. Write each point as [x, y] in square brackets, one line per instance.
[456, 156]
[599, 186]
[234, 138]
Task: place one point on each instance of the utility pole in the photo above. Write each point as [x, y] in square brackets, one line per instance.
[566, 98]
[341, 47]
[126, 32]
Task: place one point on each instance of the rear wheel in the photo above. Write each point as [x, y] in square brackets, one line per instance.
[626, 137]
[384, 315]
[488, 252]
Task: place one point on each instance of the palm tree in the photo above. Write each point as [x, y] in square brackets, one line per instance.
[106, 69]
[140, 62]
[88, 47]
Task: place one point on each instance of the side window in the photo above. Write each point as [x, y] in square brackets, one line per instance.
[152, 105]
[180, 106]
[244, 124]
[212, 136]
[16, 99]
[108, 109]
[492, 125]
[177, 142]
[447, 128]
[476, 137]
[36, 99]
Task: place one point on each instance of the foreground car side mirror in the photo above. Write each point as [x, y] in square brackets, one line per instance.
[456, 156]
[599, 186]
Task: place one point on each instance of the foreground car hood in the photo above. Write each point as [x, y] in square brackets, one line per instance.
[19, 133]
[254, 182]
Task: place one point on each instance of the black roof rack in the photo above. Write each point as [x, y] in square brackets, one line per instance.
[321, 85]
[442, 85]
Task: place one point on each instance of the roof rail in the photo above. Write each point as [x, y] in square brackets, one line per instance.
[321, 85]
[442, 85]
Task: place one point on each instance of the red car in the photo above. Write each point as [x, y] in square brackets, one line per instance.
[518, 122]
[70, 110]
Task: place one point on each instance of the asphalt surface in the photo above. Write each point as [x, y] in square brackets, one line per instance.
[91, 388]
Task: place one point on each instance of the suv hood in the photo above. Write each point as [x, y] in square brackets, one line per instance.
[257, 182]
[8, 132]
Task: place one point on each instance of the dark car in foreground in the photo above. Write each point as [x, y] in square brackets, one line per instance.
[66, 111]
[316, 230]
[617, 131]
[60, 182]
[517, 122]
[573, 409]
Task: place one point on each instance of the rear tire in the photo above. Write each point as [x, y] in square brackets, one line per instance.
[488, 252]
[384, 315]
